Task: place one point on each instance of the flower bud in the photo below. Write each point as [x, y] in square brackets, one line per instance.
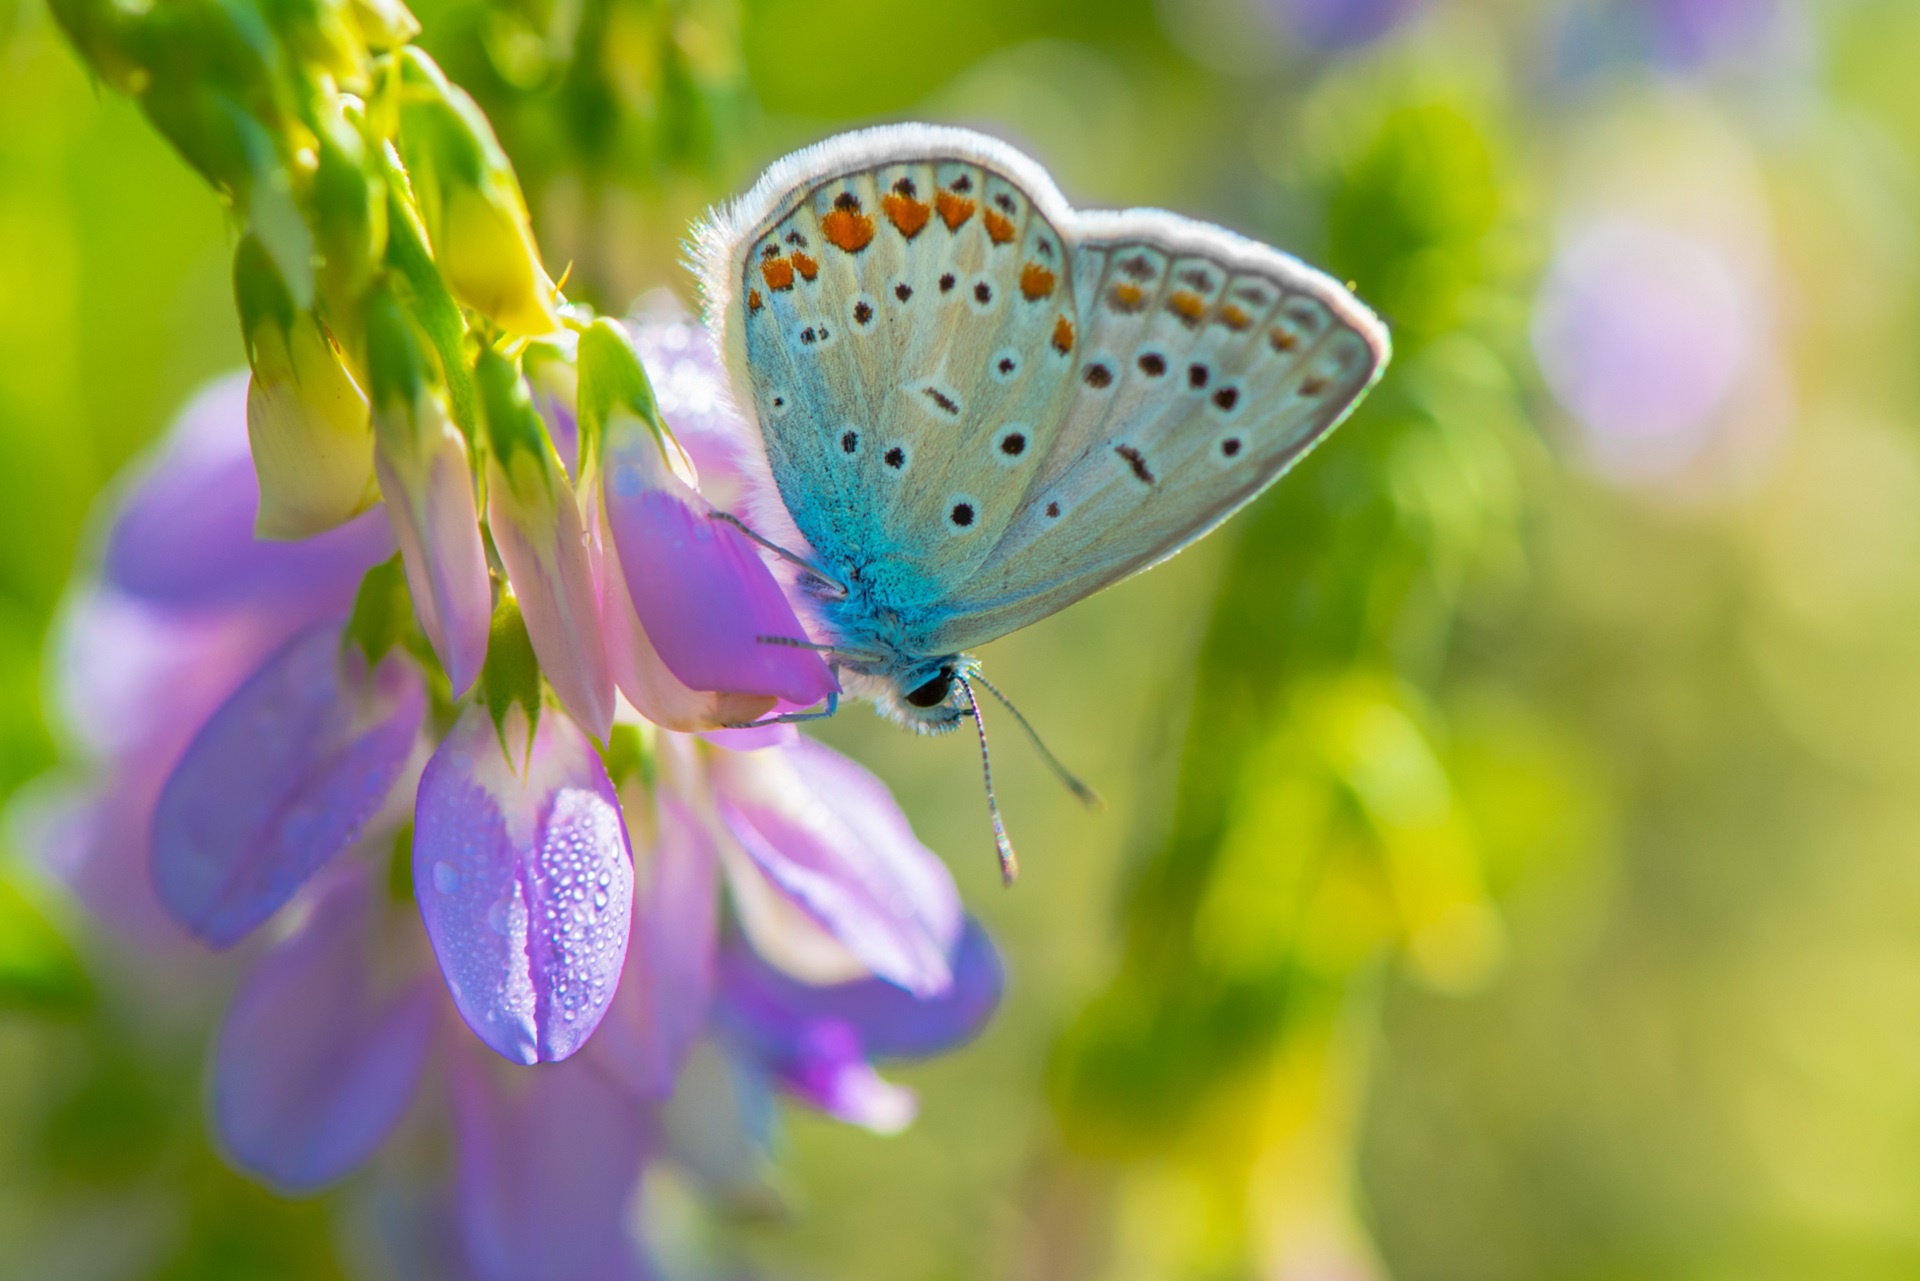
[536, 528]
[475, 216]
[421, 460]
[306, 419]
[383, 24]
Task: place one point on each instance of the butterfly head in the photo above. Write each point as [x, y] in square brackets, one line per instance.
[929, 696]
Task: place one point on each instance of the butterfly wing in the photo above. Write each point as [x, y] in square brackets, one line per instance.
[1208, 365]
[895, 308]
[987, 405]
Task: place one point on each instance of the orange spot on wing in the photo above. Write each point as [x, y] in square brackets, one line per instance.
[1063, 335]
[909, 216]
[753, 300]
[1036, 282]
[1283, 340]
[1189, 307]
[1313, 386]
[806, 266]
[848, 229]
[954, 210]
[999, 227]
[1235, 319]
[779, 273]
[1126, 297]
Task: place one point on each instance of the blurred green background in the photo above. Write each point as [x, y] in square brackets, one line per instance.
[1512, 859]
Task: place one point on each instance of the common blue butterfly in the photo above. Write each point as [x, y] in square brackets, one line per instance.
[979, 405]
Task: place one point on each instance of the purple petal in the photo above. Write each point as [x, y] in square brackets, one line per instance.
[313, 1069]
[766, 1010]
[546, 1170]
[815, 1041]
[282, 778]
[701, 590]
[429, 492]
[668, 981]
[184, 533]
[828, 835]
[653, 690]
[525, 882]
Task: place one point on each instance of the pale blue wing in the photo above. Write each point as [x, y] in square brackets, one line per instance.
[899, 325]
[1208, 365]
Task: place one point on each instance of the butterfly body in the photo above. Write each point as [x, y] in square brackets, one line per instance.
[978, 405]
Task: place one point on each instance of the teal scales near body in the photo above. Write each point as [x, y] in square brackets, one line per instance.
[978, 405]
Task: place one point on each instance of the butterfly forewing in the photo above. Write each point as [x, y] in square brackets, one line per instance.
[898, 332]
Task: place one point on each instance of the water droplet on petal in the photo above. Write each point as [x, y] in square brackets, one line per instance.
[446, 877]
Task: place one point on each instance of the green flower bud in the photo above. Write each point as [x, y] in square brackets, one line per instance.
[384, 24]
[306, 418]
[476, 219]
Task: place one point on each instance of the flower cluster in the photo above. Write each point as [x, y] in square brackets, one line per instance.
[502, 759]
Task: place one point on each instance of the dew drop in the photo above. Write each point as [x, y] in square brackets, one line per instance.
[446, 877]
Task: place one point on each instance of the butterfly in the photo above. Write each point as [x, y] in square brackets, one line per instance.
[979, 405]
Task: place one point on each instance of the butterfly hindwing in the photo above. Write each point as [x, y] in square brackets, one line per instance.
[986, 405]
[1203, 377]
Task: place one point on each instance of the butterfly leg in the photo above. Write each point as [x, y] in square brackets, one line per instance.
[794, 718]
[784, 554]
[833, 652]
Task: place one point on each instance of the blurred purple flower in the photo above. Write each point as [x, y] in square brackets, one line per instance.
[282, 778]
[1641, 333]
[1334, 25]
[314, 1067]
[1678, 36]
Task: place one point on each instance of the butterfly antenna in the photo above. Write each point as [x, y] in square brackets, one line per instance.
[1009, 861]
[1086, 795]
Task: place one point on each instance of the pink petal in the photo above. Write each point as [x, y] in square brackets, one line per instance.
[314, 1068]
[536, 527]
[525, 882]
[830, 837]
[700, 589]
[653, 690]
[429, 491]
[281, 779]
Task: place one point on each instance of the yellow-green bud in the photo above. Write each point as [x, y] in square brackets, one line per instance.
[306, 418]
[476, 219]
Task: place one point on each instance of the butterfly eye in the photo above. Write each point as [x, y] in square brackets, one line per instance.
[934, 692]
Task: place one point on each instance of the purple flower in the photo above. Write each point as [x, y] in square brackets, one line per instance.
[249, 763]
